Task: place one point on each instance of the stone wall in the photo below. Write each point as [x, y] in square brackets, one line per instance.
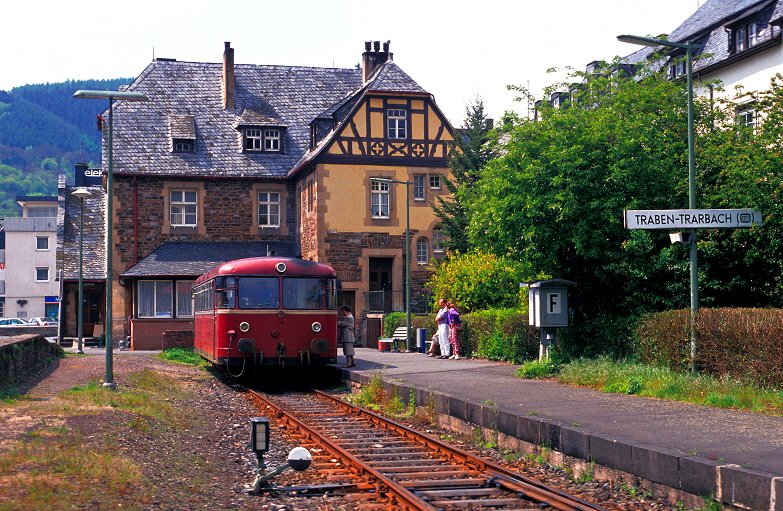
[22, 354]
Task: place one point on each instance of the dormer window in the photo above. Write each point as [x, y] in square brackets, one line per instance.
[183, 145]
[745, 36]
[263, 140]
[397, 123]
[182, 131]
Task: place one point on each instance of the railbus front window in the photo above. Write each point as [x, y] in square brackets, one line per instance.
[303, 293]
[259, 293]
[330, 293]
[227, 292]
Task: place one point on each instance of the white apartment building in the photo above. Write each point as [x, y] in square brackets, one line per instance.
[31, 286]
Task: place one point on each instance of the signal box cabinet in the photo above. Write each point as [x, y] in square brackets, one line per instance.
[548, 303]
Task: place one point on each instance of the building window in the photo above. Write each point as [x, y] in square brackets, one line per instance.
[183, 208]
[380, 199]
[271, 140]
[184, 301]
[746, 115]
[154, 298]
[268, 209]
[183, 145]
[418, 188]
[745, 36]
[41, 211]
[267, 140]
[435, 182]
[437, 240]
[42, 274]
[422, 251]
[42, 242]
[397, 123]
[678, 68]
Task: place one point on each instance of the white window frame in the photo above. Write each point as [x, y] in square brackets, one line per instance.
[38, 240]
[422, 251]
[182, 209]
[158, 306]
[419, 190]
[272, 140]
[438, 237]
[183, 145]
[380, 199]
[38, 275]
[746, 115]
[397, 123]
[254, 139]
[269, 209]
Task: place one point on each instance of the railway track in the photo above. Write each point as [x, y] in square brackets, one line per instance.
[392, 466]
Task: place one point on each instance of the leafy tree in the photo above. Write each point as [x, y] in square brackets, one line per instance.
[555, 199]
[473, 148]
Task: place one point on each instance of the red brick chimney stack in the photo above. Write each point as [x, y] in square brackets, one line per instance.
[228, 77]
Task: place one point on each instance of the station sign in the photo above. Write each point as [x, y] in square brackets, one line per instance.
[691, 218]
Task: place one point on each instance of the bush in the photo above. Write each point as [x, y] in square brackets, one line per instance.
[478, 281]
[500, 334]
[742, 343]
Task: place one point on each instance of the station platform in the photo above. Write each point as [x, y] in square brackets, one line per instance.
[736, 457]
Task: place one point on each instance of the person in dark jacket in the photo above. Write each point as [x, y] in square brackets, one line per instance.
[347, 335]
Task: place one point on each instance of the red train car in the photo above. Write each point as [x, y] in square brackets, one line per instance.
[266, 311]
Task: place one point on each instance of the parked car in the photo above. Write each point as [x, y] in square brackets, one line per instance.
[13, 322]
[42, 321]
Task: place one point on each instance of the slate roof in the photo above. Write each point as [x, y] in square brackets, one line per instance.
[285, 96]
[193, 258]
[94, 258]
[706, 27]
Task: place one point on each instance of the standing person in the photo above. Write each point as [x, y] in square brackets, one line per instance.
[347, 335]
[455, 325]
[442, 319]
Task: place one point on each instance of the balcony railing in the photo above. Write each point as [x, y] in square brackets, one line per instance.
[388, 301]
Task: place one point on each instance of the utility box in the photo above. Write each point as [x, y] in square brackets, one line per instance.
[548, 303]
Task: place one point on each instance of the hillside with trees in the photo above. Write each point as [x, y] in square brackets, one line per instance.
[44, 131]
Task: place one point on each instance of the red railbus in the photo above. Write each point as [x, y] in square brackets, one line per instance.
[266, 311]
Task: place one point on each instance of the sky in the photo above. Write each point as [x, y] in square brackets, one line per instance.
[457, 50]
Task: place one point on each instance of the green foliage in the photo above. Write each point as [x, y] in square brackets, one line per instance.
[186, 356]
[44, 131]
[392, 321]
[544, 368]
[474, 146]
[499, 334]
[479, 280]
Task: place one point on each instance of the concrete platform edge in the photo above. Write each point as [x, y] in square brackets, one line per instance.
[729, 484]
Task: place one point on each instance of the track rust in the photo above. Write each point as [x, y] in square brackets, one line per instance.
[395, 467]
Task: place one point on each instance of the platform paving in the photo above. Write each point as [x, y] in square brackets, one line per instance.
[736, 456]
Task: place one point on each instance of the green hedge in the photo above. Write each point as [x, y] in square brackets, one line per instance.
[496, 334]
[742, 343]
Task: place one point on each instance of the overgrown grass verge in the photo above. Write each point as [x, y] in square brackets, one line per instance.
[626, 377]
[374, 397]
[54, 463]
[186, 356]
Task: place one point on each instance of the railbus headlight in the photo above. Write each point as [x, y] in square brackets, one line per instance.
[316, 326]
[244, 326]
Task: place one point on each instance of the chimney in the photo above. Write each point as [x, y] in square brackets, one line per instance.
[373, 57]
[228, 77]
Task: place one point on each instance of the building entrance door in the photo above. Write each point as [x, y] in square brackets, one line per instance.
[92, 310]
[381, 289]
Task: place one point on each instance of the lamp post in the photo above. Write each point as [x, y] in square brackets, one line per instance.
[407, 253]
[81, 193]
[689, 48]
[111, 96]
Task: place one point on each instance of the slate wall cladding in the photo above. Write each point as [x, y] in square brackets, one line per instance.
[228, 214]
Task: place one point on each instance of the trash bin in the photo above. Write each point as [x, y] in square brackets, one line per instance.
[421, 339]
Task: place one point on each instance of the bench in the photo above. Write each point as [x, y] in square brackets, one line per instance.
[400, 335]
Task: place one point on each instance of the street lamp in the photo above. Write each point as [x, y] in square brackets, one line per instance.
[407, 254]
[689, 48]
[111, 96]
[81, 193]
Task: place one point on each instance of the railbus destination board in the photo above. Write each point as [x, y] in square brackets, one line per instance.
[691, 218]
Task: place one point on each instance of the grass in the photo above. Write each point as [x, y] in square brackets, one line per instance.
[54, 465]
[625, 377]
[183, 356]
[373, 396]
